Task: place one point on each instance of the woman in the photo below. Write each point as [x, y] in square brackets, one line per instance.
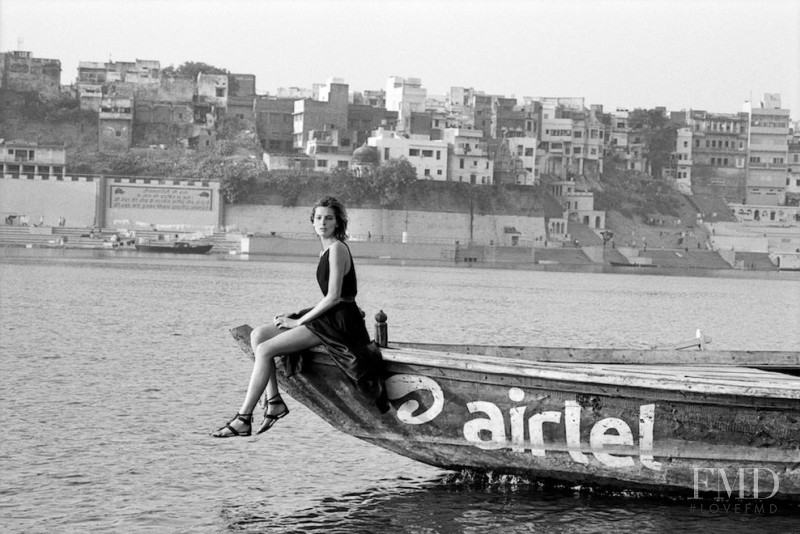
[335, 321]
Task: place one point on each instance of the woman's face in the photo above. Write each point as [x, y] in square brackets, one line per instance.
[324, 221]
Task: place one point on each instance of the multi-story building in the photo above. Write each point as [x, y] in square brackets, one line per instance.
[29, 159]
[719, 140]
[679, 169]
[467, 157]
[327, 111]
[241, 97]
[94, 76]
[323, 147]
[587, 143]
[508, 120]
[405, 95]
[627, 144]
[556, 141]
[370, 97]
[525, 150]
[768, 152]
[429, 158]
[363, 119]
[213, 89]
[21, 72]
[793, 170]
[578, 205]
[164, 114]
[116, 123]
[275, 124]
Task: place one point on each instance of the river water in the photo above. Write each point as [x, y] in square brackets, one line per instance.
[116, 366]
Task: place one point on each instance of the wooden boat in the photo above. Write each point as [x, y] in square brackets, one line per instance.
[628, 264]
[711, 423]
[174, 247]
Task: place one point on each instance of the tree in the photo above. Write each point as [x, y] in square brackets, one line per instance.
[658, 135]
[392, 181]
[190, 69]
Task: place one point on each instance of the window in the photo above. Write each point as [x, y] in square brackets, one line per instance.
[577, 134]
[343, 165]
[322, 163]
[576, 150]
[439, 172]
[427, 153]
[386, 153]
[529, 152]
[413, 152]
[220, 91]
[777, 160]
[438, 154]
[685, 144]
[427, 172]
[461, 163]
[755, 159]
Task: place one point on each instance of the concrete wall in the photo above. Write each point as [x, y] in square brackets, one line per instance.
[74, 200]
[388, 225]
[162, 203]
[108, 203]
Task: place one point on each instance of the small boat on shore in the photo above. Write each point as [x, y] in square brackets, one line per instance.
[710, 423]
[174, 247]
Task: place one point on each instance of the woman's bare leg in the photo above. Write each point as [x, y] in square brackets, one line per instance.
[263, 374]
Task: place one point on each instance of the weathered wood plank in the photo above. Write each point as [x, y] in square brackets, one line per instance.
[744, 358]
[760, 384]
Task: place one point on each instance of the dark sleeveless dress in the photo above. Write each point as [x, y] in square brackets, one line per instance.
[342, 331]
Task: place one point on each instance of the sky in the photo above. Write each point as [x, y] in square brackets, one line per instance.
[682, 54]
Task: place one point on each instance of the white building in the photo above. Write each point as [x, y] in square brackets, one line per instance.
[768, 152]
[405, 95]
[468, 157]
[429, 158]
[323, 147]
[525, 148]
[680, 168]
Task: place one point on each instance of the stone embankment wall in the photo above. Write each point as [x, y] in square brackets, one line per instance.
[46, 200]
[392, 225]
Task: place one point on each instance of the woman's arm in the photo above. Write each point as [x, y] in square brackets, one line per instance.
[338, 265]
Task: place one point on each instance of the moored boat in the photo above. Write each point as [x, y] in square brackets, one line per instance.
[720, 422]
[174, 247]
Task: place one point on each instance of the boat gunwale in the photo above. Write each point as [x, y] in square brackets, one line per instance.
[628, 376]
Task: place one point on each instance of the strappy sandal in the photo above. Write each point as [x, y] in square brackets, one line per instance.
[271, 419]
[244, 418]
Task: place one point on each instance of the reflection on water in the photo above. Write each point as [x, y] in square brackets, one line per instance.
[115, 368]
[444, 504]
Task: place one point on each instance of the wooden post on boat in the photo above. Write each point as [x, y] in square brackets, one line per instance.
[381, 330]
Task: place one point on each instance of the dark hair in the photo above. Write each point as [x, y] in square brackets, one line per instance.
[339, 212]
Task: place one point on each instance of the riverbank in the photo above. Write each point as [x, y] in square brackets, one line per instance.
[391, 254]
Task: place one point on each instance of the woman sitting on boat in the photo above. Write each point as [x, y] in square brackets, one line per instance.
[335, 321]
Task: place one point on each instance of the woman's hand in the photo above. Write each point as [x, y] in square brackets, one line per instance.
[282, 321]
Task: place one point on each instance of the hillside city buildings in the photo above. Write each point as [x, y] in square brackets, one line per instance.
[751, 156]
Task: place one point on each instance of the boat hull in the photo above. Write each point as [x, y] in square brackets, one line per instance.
[174, 248]
[566, 428]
